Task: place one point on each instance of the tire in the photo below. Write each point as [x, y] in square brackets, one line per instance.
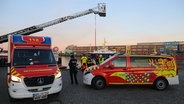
[161, 84]
[99, 83]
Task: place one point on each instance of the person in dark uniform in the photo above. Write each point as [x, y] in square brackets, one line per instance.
[89, 60]
[73, 69]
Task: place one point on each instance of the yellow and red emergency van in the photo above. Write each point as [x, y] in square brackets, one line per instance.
[33, 71]
[159, 71]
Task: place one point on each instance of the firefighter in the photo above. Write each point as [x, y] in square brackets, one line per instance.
[97, 59]
[83, 62]
[101, 59]
[89, 60]
[83, 67]
[83, 59]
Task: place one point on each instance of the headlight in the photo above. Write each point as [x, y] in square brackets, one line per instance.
[15, 78]
[58, 75]
[87, 72]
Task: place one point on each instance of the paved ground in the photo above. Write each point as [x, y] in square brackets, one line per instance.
[81, 94]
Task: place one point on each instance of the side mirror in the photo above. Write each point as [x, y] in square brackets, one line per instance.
[62, 67]
[59, 62]
[8, 64]
[111, 66]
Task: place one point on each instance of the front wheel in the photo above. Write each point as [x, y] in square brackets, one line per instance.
[99, 83]
[161, 84]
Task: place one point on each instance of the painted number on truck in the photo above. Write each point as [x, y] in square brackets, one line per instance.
[33, 39]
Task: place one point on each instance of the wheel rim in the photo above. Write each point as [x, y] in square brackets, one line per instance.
[100, 83]
[161, 84]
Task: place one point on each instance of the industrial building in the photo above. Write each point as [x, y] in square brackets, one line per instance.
[172, 47]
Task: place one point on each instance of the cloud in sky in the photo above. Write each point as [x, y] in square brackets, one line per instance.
[127, 21]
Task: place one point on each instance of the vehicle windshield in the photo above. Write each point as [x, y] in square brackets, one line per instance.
[108, 59]
[32, 57]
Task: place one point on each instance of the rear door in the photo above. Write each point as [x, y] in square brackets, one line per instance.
[142, 70]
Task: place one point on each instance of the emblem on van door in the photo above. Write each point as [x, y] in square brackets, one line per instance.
[40, 81]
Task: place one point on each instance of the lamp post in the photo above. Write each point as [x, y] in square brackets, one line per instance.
[95, 32]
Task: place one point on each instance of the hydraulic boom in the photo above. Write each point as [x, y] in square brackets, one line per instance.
[100, 10]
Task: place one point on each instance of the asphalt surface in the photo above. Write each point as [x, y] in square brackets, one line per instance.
[117, 94]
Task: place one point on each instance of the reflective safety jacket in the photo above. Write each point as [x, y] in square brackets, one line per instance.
[89, 61]
[83, 60]
[101, 59]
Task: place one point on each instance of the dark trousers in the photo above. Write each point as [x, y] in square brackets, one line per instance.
[73, 74]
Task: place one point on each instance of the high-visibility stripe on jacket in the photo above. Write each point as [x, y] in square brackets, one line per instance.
[101, 59]
[83, 60]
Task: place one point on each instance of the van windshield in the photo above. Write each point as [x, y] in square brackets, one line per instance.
[108, 59]
[33, 57]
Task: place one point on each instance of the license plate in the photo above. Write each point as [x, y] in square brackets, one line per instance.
[38, 96]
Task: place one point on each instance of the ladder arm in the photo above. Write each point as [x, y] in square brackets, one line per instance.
[100, 10]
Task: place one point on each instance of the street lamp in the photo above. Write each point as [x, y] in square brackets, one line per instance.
[95, 32]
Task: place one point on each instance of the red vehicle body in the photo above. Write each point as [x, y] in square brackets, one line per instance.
[33, 71]
[159, 71]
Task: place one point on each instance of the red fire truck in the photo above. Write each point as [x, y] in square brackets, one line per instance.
[32, 71]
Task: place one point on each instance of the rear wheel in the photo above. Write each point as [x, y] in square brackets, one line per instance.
[161, 84]
[99, 83]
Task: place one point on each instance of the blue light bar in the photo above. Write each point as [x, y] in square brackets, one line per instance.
[17, 39]
[47, 40]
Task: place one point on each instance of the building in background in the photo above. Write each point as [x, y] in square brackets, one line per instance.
[171, 48]
[175, 48]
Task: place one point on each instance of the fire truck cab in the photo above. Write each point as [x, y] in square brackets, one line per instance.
[33, 71]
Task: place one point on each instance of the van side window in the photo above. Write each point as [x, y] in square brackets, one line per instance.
[139, 62]
[119, 62]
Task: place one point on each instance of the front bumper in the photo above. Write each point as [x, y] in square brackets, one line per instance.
[19, 90]
[87, 78]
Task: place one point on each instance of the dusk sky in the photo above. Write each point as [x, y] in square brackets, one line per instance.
[128, 22]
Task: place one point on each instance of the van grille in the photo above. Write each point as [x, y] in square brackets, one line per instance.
[36, 90]
[38, 81]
